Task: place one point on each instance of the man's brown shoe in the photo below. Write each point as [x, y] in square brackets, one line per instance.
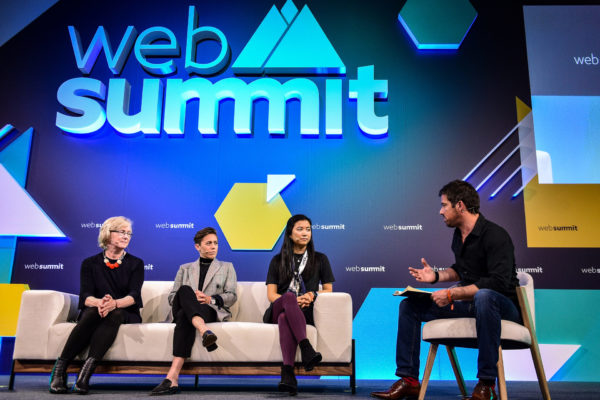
[483, 392]
[400, 390]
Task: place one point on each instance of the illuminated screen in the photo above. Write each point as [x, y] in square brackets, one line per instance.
[564, 64]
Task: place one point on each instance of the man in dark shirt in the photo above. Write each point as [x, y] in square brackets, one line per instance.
[485, 270]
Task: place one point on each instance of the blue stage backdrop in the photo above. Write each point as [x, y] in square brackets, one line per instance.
[174, 114]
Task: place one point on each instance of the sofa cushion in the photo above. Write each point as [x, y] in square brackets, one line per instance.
[253, 296]
[463, 332]
[156, 305]
[238, 342]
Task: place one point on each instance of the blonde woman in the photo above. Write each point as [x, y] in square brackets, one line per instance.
[109, 295]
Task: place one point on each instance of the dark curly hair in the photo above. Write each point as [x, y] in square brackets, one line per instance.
[458, 190]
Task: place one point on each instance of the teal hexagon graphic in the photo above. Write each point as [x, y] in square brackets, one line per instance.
[437, 24]
[253, 215]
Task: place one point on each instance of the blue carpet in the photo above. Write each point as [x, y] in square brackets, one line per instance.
[35, 386]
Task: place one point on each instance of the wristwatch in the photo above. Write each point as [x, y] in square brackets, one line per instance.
[213, 301]
[316, 294]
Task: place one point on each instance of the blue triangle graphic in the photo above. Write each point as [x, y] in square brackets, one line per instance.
[300, 48]
[289, 11]
[15, 157]
[305, 49]
[261, 44]
[20, 215]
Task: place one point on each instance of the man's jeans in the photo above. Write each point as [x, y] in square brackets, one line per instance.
[488, 307]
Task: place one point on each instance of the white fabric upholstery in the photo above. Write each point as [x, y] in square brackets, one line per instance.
[333, 319]
[464, 328]
[156, 306]
[40, 310]
[42, 330]
[452, 330]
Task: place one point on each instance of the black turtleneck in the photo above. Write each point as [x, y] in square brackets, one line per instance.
[204, 265]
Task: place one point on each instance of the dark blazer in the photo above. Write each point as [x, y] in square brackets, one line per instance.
[220, 279]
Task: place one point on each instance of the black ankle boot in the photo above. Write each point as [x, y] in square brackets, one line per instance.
[58, 377]
[82, 385]
[288, 380]
[310, 357]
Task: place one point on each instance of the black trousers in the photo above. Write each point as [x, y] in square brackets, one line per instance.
[186, 307]
[97, 332]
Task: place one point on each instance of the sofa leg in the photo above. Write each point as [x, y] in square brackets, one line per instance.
[11, 380]
[196, 382]
[353, 376]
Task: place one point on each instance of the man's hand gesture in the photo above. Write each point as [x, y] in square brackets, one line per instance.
[423, 275]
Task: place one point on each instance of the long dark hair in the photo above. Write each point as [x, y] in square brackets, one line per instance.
[287, 251]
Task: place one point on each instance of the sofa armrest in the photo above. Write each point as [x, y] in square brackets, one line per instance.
[333, 320]
[40, 309]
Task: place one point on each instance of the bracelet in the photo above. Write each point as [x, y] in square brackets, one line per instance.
[437, 278]
[116, 305]
[315, 294]
[450, 299]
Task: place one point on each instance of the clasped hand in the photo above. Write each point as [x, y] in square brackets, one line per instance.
[202, 298]
[305, 299]
[107, 304]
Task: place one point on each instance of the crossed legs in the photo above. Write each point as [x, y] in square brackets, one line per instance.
[190, 316]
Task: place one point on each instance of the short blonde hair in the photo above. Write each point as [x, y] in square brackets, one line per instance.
[111, 224]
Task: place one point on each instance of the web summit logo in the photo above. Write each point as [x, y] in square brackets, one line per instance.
[287, 42]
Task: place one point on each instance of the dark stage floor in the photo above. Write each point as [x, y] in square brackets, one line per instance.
[127, 387]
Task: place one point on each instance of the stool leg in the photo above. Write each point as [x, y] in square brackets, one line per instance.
[457, 372]
[539, 370]
[428, 367]
[501, 378]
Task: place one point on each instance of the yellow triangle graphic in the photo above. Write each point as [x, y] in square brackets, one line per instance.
[522, 109]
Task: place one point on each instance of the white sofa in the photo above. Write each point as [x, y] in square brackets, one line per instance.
[247, 346]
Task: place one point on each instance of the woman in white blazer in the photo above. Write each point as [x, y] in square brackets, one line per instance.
[203, 292]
